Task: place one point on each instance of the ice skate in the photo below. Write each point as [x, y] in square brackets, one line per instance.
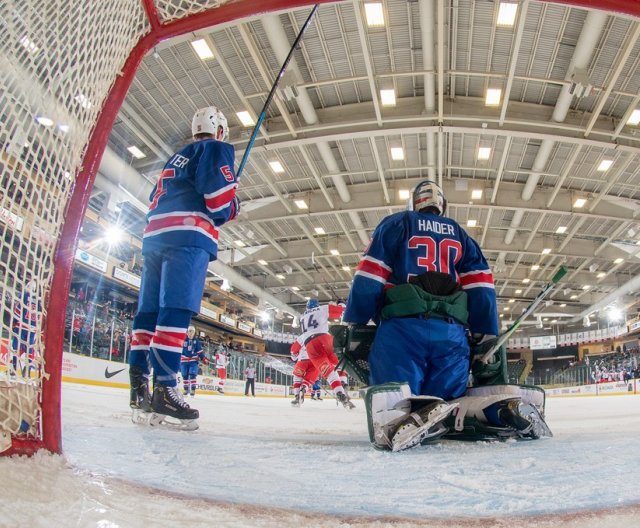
[344, 399]
[296, 401]
[169, 409]
[140, 399]
[303, 389]
[524, 418]
[221, 390]
[423, 424]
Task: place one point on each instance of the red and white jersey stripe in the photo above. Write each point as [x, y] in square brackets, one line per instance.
[373, 269]
[181, 221]
[219, 200]
[476, 279]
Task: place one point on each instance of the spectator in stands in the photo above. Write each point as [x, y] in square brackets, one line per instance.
[250, 377]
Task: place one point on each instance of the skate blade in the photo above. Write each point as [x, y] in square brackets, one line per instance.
[162, 421]
[409, 435]
[138, 416]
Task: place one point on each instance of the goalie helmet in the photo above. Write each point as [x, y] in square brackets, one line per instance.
[312, 303]
[428, 194]
[191, 331]
[210, 120]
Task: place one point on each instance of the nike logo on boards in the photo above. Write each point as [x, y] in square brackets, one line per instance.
[108, 374]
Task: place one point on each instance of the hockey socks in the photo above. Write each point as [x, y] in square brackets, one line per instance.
[166, 344]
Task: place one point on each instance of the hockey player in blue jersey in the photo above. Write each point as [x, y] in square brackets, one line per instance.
[194, 195]
[192, 354]
[426, 284]
[430, 351]
[24, 327]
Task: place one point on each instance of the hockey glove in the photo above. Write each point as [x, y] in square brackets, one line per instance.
[235, 208]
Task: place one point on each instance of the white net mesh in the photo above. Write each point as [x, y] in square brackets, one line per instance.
[174, 9]
[18, 409]
[58, 59]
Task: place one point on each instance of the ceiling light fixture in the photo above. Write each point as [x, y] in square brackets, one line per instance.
[397, 153]
[136, 152]
[605, 165]
[388, 97]
[334, 252]
[276, 166]
[301, 204]
[484, 153]
[320, 231]
[374, 14]
[561, 229]
[579, 203]
[245, 118]
[493, 97]
[44, 120]
[507, 14]
[202, 49]
[404, 194]
[472, 223]
[634, 118]
[476, 194]
[546, 251]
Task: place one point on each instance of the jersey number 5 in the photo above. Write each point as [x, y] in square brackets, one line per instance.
[436, 255]
[167, 174]
[227, 173]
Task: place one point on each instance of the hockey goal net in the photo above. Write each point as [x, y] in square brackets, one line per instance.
[66, 67]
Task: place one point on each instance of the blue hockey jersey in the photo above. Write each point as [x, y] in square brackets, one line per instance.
[410, 243]
[193, 196]
[192, 351]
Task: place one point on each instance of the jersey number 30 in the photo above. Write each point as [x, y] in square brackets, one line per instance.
[437, 256]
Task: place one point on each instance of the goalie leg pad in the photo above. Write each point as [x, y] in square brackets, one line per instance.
[517, 410]
[390, 416]
[386, 404]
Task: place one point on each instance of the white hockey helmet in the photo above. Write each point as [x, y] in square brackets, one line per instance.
[210, 120]
[428, 194]
[191, 331]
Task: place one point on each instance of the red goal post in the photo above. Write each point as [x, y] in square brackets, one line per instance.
[67, 66]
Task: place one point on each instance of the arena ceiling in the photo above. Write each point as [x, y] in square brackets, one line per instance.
[514, 170]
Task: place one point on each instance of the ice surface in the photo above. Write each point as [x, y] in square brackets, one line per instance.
[259, 462]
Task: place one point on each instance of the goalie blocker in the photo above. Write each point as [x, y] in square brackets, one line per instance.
[397, 421]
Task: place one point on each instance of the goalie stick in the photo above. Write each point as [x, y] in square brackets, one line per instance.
[263, 113]
[529, 310]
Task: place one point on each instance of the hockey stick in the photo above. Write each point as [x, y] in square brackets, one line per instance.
[263, 113]
[529, 310]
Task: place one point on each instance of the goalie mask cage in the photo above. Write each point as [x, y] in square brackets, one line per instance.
[66, 67]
